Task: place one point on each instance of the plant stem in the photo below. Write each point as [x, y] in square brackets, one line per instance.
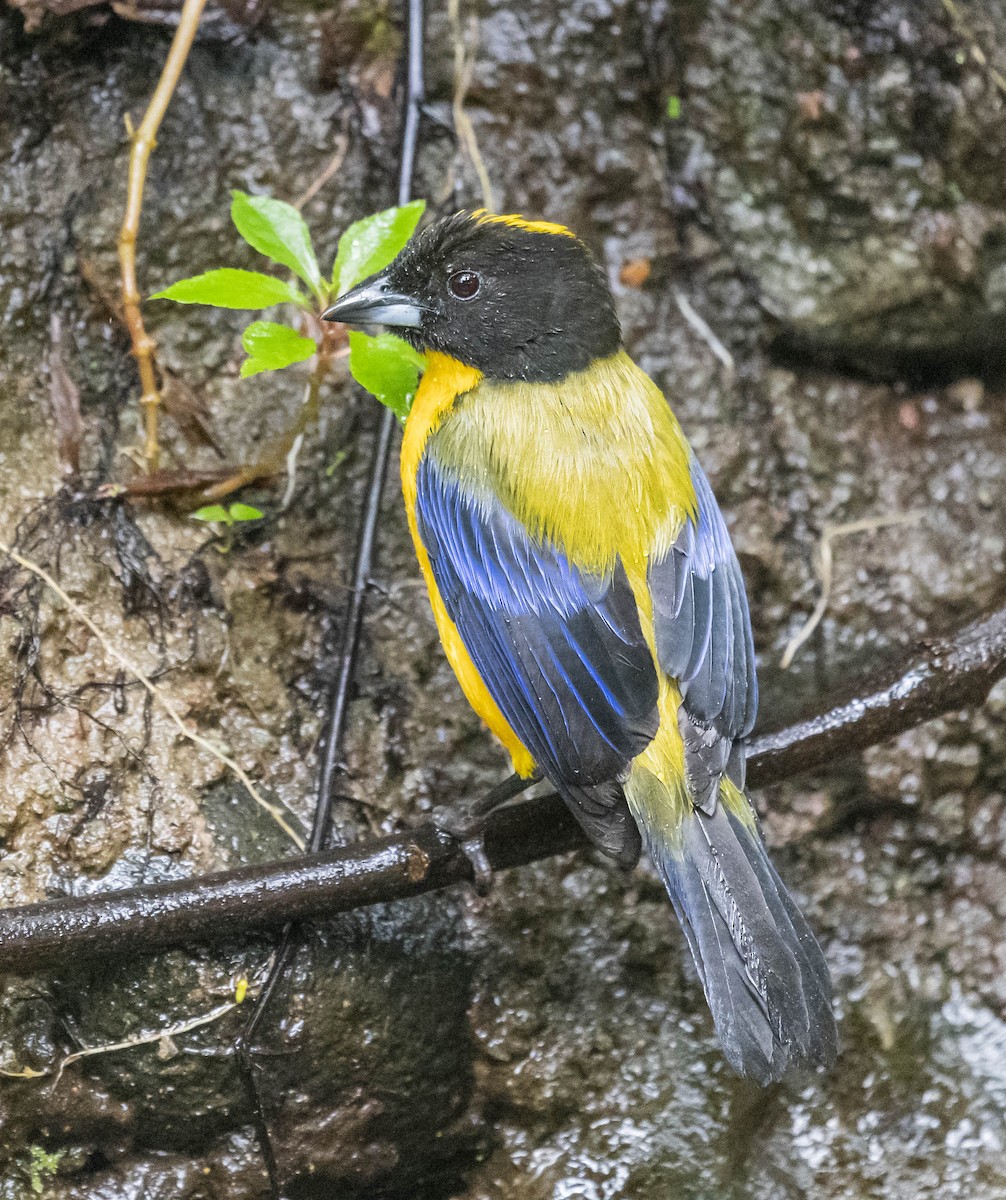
[277, 455]
[143, 141]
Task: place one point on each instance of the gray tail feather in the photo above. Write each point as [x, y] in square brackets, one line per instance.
[764, 975]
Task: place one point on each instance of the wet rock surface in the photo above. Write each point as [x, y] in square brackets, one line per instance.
[829, 202]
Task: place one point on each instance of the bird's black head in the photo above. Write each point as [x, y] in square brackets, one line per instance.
[515, 299]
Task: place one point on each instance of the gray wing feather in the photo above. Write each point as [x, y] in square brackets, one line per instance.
[702, 628]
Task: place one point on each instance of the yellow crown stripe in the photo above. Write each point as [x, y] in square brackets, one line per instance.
[516, 221]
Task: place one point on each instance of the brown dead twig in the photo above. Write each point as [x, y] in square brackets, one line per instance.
[333, 166]
[144, 138]
[950, 673]
[186, 407]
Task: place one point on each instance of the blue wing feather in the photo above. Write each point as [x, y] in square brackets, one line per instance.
[560, 651]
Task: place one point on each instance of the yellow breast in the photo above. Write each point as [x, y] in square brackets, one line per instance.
[595, 464]
[444, 380]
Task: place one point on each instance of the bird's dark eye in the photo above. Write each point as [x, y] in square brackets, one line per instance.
[464, 285]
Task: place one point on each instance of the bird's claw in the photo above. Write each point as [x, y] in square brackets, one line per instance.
[467, 824]
[474, 849]
[468, 829]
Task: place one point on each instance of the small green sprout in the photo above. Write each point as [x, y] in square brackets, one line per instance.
[385, 365]
[336, 463]
[674, 107]
[216, 514]
[233, 514]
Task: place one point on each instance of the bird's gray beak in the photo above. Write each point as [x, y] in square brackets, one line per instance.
[374, 302]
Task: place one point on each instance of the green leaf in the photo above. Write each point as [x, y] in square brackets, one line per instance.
[270, 347]
[244, 512]
[278, 231]
[387, 367]
[369, 245]
[211, 512]
[229, 288]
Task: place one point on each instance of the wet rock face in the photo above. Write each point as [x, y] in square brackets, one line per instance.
[858, 177]
[826, 197]
[365, 1066]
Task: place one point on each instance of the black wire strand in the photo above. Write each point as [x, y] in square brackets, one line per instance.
[339, 696]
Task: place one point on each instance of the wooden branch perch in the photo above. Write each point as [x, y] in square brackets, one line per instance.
[952, 673]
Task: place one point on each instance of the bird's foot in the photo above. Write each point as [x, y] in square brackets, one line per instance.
[467, 823]
[468, 828]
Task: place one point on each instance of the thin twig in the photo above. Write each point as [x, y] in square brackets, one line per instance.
[702, 327]
[334, 164]
[464, 66]
[825, 565]
[144, 139]
[145, 1039]
[156, 693]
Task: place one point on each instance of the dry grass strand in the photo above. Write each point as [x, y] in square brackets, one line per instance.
[155, 692]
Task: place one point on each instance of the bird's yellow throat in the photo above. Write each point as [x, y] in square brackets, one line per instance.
[596, 463]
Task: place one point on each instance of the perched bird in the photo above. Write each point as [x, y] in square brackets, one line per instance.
[589, 599]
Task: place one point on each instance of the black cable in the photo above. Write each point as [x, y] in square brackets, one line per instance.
[414, 88]
[339, 697]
